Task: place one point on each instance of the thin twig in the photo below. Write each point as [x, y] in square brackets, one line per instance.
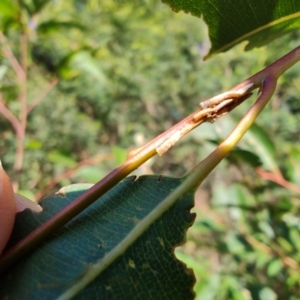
[278, 179]
[10, 117]
[23, 103]
[42, 94]
[11, 58]
[21, 127]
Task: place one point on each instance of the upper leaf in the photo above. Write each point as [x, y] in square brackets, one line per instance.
[148, 269]
[233, 21]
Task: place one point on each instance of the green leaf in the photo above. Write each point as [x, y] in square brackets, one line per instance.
[209, 291]
[274, 267]
[148, 269]
[244, 156]
[285, 244]
[8, 8]
[261, 144]
[81, 61]
[33, 144]
[293, 165]
[235, 245]
[231, 22]
[262, 259]
[120, 154]
[53, 26]
[89, 173]
[295, 238]
[241, 196]
[267, 294]
[61, 158]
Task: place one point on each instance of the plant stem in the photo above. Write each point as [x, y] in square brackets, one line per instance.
[10, 117]
[42, 94]
[22, 99]
[201, 171]
[195, 178]
[265, 80]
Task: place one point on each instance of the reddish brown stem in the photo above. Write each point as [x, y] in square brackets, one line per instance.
[278, 179]
[11, 118]
[11, 58]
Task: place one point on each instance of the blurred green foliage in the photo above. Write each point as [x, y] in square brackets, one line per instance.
[128, 71]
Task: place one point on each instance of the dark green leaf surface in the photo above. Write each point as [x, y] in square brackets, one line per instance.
[233, 21]
[246, 156]
[147, 270]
